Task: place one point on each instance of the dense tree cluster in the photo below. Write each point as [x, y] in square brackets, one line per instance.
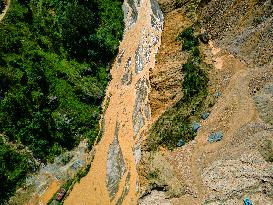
[2, 5]
[54, 63]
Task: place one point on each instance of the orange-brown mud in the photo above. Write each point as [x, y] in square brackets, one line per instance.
[92, 189]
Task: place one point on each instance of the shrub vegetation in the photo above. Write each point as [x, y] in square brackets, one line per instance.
[2, 5]
[54, 63]
[175, 123]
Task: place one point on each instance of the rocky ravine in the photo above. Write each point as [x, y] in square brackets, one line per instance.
[113, 178]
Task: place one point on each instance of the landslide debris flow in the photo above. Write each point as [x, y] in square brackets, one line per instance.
[239, 52]
[113, 177]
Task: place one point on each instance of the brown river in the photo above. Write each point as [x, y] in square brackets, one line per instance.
[113, 177]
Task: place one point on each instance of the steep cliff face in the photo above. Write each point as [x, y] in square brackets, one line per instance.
[113, 178]
[240, 54]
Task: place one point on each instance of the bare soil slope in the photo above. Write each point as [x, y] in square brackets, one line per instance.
[241, 54]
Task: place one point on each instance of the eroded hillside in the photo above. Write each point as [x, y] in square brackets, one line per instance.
[241, 78]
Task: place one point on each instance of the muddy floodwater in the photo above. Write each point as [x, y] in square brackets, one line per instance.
[113, 178]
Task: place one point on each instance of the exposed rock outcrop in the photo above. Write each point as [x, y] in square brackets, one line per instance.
[115, 167]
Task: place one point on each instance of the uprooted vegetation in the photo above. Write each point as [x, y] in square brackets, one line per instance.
[176, 123]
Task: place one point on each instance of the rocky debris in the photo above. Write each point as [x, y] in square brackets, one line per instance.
[244, 28]
[155, 40]
[115, 167]
[195, 126]
[204, 37]
[133, 5]
[128, 64]
[157, 11]
[141, 96]
[147, 110]
[264, 103]
[156, 17]
[139, 61]
[120, 57]
[147, 54]
[125, 190]
[128, 75]
[138, 120]
[215, 137]
[127, 78]
[180, 143]
[232, 178]
[126, 11]
[137, 153]
[204, 115]
[154, 198]
[130, 9]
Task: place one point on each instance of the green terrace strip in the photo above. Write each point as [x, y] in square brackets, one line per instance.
[176, 123]
[55, 58]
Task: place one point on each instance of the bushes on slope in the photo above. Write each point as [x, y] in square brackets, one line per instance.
[54, 63]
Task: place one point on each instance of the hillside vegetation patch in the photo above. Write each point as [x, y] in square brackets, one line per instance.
[176, 123]
[54, 67]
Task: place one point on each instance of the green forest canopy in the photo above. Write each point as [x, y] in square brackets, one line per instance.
[54, 63]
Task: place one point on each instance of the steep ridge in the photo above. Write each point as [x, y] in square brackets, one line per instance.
[113, 178]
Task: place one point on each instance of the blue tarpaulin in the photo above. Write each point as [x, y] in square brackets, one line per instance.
[247, 201]
[218, 94]
[205, 115]
[195, 126]
[180, 143]
[215, 137]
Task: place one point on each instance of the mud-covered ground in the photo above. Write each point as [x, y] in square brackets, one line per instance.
[113, 178]
[241, 53]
